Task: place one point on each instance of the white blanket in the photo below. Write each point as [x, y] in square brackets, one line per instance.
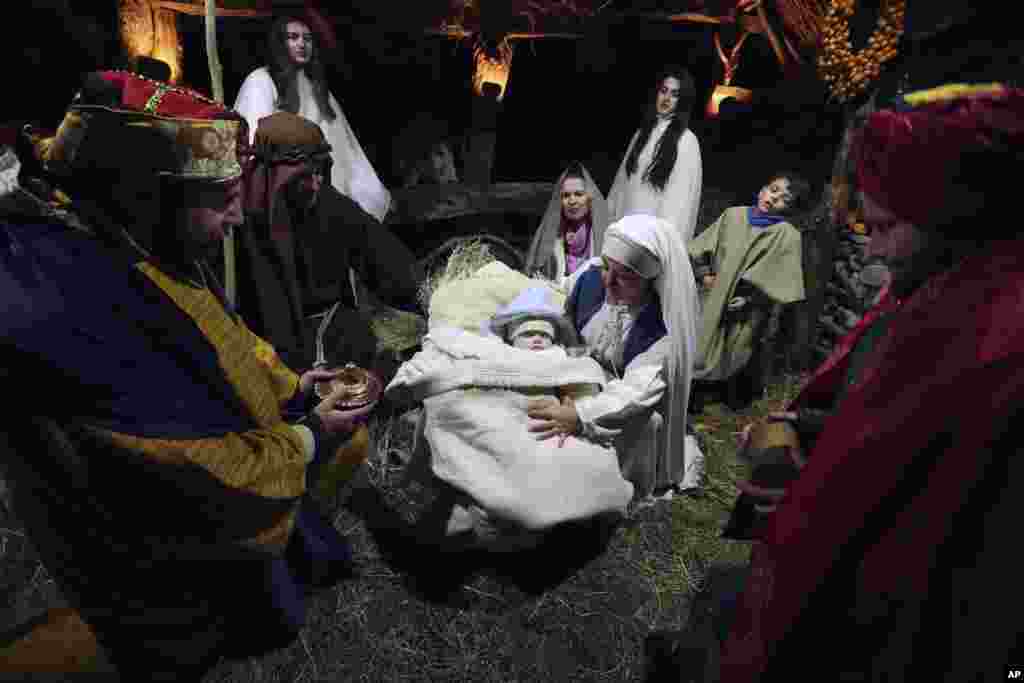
[472, 389]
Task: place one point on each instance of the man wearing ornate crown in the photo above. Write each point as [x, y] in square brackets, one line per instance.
[162, 469]
[300, 242]
[891, 556]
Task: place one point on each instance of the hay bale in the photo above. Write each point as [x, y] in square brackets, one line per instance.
[396, 330]
[464, 261]
[473, 286]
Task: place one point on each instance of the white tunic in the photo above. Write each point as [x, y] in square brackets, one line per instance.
[352, 174]
[679, 202]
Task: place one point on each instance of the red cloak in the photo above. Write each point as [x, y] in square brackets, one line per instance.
[916, 442]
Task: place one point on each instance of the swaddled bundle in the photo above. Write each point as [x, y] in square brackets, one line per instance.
[479, 440]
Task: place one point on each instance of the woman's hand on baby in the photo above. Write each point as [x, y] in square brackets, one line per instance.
[553, 418]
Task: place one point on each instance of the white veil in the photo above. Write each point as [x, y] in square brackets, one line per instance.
[541, 255]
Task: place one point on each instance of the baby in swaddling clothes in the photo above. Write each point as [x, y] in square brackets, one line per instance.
[535, 334]
[534, 323]
[508, 482]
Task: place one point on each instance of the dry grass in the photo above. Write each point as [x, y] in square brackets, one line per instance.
[575, 609]
[422, 618]
[465, 260]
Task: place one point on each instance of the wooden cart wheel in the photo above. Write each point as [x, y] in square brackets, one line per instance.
[500, 249]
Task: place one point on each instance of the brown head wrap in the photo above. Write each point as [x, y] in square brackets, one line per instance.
[289, 138]
[282, 144]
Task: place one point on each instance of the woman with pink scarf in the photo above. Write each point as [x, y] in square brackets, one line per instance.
[572, 229]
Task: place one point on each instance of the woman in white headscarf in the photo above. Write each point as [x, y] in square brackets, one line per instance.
[572, 230]
[636, 308]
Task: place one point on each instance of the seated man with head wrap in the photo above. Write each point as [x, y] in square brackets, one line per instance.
[163, 476]
[295, 81]
[301, 241]
[571, 232]
[896, 538]
[636, 309]
[475, 391]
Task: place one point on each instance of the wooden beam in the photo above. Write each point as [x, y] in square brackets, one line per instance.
[199, 10]
[460, 34]
[780, 53]
[675, 18]
[695, 18]
[424, 203]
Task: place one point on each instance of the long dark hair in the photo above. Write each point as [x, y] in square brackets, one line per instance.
[658, 172]
[285, 73]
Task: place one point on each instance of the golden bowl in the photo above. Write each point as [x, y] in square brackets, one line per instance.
[768, 435]
[354, 387]
[774, 433]
[769, 451]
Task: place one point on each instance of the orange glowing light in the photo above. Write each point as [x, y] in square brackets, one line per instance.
[492, 67]
[151, 31]
[724, 92]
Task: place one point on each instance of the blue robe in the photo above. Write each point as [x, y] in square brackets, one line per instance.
[174, 517]
[587, 298]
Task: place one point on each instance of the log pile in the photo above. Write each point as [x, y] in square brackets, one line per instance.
[853, 288]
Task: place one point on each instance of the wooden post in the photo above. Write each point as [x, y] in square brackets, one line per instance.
[217, 85]
[212, 58]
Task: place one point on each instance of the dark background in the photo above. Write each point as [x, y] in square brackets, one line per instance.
[566, 99]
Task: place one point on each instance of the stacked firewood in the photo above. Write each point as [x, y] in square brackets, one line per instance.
[852, 289]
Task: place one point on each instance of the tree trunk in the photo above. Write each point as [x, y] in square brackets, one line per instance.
[818, 246]
[832, 218]
[482, 140]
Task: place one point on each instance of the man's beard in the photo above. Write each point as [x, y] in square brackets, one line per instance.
[299, 204]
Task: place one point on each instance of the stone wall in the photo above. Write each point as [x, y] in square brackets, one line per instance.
[853, 288]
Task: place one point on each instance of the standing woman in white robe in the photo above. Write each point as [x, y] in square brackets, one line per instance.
[661, 173]
[294, 81]
[636, 308]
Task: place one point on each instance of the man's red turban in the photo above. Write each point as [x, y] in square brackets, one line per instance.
[943, 157]
[122, 121]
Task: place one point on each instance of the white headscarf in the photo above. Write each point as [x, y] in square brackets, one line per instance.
[677, 288]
